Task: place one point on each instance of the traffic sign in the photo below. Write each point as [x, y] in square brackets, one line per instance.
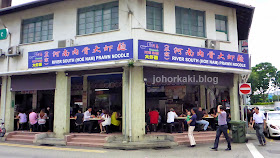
[245, 88]
[3, 34]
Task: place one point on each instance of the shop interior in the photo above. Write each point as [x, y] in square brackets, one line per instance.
[181, 97]
[26, 101]
[96, 91]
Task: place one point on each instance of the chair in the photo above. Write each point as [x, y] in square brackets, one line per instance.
[170, 126]
[199, 127]
[107, 128]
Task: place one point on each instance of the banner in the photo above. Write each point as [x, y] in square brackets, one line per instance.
[109, 51]
[156, 51]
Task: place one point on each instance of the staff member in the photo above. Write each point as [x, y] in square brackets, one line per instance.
[222, 122]
[259, 120]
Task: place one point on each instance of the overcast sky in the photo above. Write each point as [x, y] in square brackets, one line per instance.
[264, 34]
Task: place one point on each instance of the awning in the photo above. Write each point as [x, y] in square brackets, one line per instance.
[33, 82]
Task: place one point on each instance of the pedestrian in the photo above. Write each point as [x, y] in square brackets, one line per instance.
[259, 126]
[222, 122]
[191, 128]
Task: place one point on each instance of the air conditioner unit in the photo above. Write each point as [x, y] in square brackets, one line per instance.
[212, 44]
[65, 43]
[13, 51]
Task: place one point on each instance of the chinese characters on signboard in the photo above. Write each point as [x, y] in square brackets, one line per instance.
[156, 51]
[109, 51]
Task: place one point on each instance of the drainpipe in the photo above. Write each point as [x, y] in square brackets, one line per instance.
[129, 105]
[6, 86]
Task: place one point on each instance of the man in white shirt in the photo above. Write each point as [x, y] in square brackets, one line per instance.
[87, 123]
[171, 115]
[259, 120]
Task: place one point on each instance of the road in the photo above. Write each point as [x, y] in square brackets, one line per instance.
[201, 151]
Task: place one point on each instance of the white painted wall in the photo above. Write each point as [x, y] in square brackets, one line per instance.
[130, 26]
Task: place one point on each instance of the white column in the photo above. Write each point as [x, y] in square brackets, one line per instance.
[234, 102]
[62, 105]
[7, 104]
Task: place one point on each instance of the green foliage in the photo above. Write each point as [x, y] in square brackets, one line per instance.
[259, 79]
[263, 103]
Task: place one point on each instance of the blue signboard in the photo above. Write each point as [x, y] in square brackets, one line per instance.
[109, 51]
[156, 51]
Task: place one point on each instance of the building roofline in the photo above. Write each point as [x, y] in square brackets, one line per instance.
[244, 12]
[25, 6]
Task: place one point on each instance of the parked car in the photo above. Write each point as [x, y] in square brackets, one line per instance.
[273, 124]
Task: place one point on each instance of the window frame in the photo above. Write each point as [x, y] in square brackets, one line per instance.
[190, 21]
[93, 9]
[221, 18]
[154, 5]
[34, 21]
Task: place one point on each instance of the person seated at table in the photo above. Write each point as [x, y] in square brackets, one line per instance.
[87, 123]
[199, 119]
[171, 115]
[79, 117]
[116, 123]
[107, 121]
[100, 113]
[33, 121]
[154, 115]
[42, 117]
[22, 120]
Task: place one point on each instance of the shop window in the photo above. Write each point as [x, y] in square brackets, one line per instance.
[98, 18]
[221, 27]
[190, 22]
[37, 29]
[154, 16]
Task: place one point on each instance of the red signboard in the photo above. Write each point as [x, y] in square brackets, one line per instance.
[245, 88]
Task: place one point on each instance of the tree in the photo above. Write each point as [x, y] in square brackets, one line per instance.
[261, 76]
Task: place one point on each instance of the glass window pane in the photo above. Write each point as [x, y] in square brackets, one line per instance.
[50, 37]
[82, 32]
[98, 29]
[106, 28]
[223, 26]
[44, 38]
[82, 16]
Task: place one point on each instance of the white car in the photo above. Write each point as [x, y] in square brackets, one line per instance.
[273, 124]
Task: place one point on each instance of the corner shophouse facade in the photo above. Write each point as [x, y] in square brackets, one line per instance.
[148, 34]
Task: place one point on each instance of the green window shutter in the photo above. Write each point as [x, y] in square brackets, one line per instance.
[98, 18]
[154, 16]
[37, 29]
[221, 23]
[190, 22]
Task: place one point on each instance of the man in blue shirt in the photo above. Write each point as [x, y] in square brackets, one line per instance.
[191, 124]
[222, 122]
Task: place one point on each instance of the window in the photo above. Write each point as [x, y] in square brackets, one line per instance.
[37, 29]
[154, 16]
[221, 23]
[190, 22]
[98, 18]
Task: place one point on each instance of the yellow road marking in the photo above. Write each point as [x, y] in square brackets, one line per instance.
[52, 148]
